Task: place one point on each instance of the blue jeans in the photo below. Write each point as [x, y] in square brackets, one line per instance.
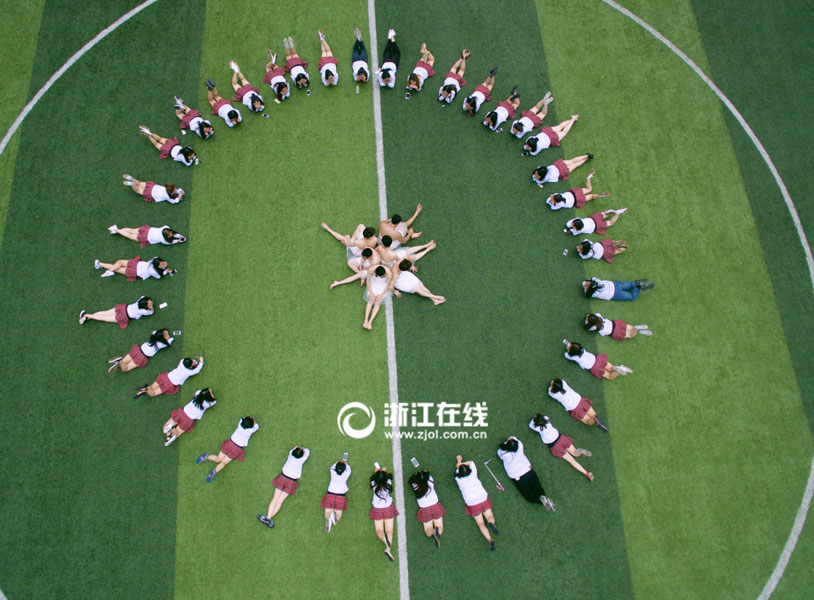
[625, 291]
[359, 51]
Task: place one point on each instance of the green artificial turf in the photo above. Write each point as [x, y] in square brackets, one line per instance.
[89, 504]
[681, 418]
[697, 484]
[279, 345]
[19, 30]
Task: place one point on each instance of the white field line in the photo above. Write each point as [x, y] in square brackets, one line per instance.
[79, 54]
[404, 582]
[802, 512]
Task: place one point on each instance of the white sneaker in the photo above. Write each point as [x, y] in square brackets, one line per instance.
[178, 101]
[108, 274]
[332, 518]
[624, 370]
[233, 66]
[274, 58]
[170, 440]
[113, 229]
[391, 34]
[548, 98]
[82, 317]
[584, 452]
[167, 428]
[144, 130]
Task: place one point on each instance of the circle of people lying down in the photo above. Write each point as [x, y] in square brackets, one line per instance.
[385, 264]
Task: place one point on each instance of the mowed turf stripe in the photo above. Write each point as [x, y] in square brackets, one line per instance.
[497, 339]
[278, 344]
[687, 457]
[89, 505]
[777, 112]
[19, 29]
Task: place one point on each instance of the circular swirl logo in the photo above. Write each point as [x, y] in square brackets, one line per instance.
[350, 410]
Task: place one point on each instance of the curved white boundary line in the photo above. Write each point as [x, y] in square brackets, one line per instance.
[802, 512]
[53, 79]
[392, 370]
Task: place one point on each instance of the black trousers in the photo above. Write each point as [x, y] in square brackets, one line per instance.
[391, 53]
[530, 486]
[359, 51]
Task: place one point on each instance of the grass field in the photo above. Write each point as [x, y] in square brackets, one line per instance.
[697, 484]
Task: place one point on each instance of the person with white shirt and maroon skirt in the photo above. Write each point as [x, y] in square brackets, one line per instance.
[182, 420]
[140, 355]
[286, 483]
[478, 505]
[561, 446]
[335, 501]
[579, 407]
[171, 382]
[596, 364]
[383, 511]
[430, 510]
[233, 448]
[519, 470]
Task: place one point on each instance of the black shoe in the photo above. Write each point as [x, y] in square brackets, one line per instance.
[492, 528]
[210, 84]
[514, 91]
[492, 545]
[601, 425]
[493, 71]
[266, 521]
[639, 282]
[437, 539]
[643, 285]
[590, 156]
[389, 556]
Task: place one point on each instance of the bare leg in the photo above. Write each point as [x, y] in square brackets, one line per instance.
[120, 266]
[276, 503]
[409, 222]
[573, 462]
[343, 239]
[127, 364]
[129, 232]
[107, 316]
[576, 162]
[354, 277]
[563, 128]
[423, 291]
[482, 526]
[417, 255]
[631, 332]
[611, 221]
[439, 525]
[375, 310]
[368, 310]
[154, 389]
[619, 246]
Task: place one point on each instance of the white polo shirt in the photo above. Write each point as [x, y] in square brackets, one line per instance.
[293, 466]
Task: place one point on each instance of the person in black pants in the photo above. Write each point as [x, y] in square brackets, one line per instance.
[361, 71]
[519, 470]
[390, 61]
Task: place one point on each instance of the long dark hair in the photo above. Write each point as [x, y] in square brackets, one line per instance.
[593, 322]
[202, 396]
[463, 471]
[143, 302]
[509, 445]
[593, 287]
[382, 484]
[556, 386]
[575, 349]
[157, 337]
[420, 483]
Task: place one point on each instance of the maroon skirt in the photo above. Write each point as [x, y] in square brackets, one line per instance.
[581, 410]
[334, 501]
[461, 81]
[147, 193]
[609, 250]
[218, 105]
[553, 138]
[377, 514]
[599, 366]
[242, 91]
[427, 67]
[562, 168]
[428, 513]
[536, 120]
[132, 269]
[121, 315]
[294, 62]
[509, 108]
[138, 356]
[142, 235]
[579, 197]
[619, 331]
[600, 223]
[191, 114]
[485, 91]
[475, 510]
[561, 446]
[326, 60]
[285, 484]
[167, 386]
[182, 419]
[232, 450]
[278, 72]
[168, 146]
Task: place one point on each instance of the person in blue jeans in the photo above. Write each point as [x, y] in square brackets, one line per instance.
[361, 71]
[622, 291]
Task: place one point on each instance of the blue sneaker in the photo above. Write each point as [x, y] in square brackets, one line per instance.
[266, 521]
[201, 458]
[211, 476]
